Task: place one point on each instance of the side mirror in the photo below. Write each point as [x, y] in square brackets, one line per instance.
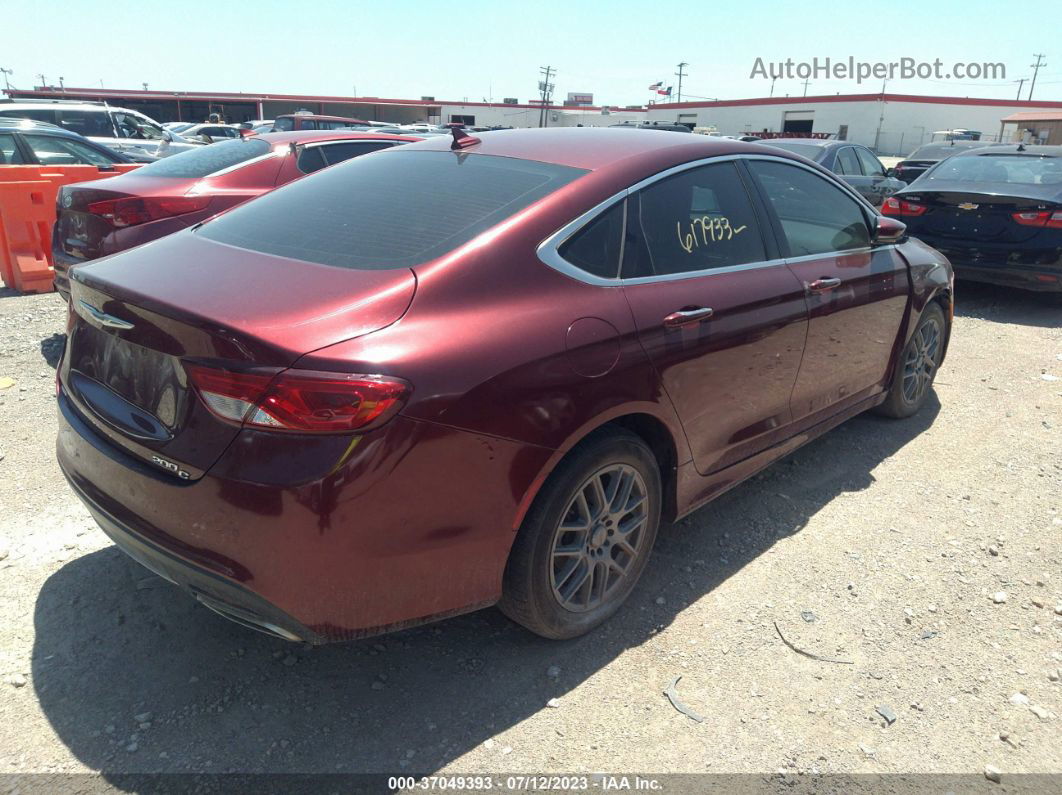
[889, 230]
[890, 172]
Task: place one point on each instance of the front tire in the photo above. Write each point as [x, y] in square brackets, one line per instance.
[919, 361]
[586, 539]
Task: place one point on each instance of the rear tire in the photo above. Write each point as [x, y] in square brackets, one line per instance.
[919, 361]
[586, 539]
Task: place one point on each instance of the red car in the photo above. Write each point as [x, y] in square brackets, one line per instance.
[480, 371]
[101, 217]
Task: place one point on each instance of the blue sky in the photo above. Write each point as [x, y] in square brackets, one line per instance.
[489, 50]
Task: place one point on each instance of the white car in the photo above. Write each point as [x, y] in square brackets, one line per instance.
[117, 128]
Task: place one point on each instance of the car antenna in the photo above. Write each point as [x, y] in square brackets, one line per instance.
[463, 140]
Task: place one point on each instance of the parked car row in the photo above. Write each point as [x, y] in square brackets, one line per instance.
[28, 142]
[468, 370]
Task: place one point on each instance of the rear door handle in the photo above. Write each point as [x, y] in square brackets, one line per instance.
[687, 317]
[824, 285]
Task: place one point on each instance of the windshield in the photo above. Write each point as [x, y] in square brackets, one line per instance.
[1016, 169]
[205, 160]
[133, 125]
[392, 210]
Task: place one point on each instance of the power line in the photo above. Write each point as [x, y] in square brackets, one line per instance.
[1036, 68]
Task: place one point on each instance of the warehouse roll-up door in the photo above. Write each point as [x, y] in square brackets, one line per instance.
[798, 121]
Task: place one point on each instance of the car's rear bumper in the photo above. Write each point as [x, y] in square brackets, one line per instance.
[61, 265]
[412, 523]
[1031, 268]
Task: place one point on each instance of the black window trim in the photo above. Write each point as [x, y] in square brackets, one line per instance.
[549, 249]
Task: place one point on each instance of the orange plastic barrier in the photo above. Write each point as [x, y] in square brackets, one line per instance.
[27, 215]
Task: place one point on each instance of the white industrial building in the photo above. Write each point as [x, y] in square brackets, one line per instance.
[890, 123]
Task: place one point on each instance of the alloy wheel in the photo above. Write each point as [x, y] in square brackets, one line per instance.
[921, 361]
[599, 537]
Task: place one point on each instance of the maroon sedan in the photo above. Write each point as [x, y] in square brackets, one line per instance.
[97, 218]
[480, 371]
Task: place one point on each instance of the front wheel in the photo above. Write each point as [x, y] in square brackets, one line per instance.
[586, 539]
[918, 365]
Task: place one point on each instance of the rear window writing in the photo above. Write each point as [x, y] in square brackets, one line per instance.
[205, 160]
[391, 211]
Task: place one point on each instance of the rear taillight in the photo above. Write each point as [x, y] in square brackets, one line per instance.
[898, 207]
[304, 401]
[1044, 219]
[136, 210]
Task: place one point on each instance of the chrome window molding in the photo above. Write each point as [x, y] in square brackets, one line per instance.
[548, 250]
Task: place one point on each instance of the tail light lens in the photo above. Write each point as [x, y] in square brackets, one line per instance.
[899, 207]
[136, 210]
[1044, 219]
[304, 401]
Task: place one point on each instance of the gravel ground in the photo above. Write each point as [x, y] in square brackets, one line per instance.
[925, 552]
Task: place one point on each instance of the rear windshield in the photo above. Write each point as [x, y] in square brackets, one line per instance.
[389, 210]
[809, 151]
[1016, 169]
[205, 160]
[937, 151]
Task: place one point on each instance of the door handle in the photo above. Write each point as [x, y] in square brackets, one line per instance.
[687, 317]
[825, 284]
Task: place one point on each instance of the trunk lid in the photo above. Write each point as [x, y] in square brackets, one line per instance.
[984, 216]
[137, 318]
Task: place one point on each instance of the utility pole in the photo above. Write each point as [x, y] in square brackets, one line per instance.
[806, 86]
[772, 86]
[6, 72]
[42, 80]
[546, 90]
[1036, 68]
[1020, 83]
[144, 85]
[881, 118]
[61, 86]
[680, 74]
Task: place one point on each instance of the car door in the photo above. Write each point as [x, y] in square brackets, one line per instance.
[856, 292]
[719, 315]
[880, 185]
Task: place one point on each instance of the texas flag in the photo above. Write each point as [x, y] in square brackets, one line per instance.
[666, 92]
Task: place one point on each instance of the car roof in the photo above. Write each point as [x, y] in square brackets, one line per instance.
[313, 136]
[1013, 149]
[594, 148]
[64, 105]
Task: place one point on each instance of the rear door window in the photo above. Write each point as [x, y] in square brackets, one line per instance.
[847, 164]
[696, 220]
[871, 165]
[206, 160]
[9, 152]
[90, 123]
[51, 150]
[816, 216]
[37, 114]
[392, 211]
[314, 158]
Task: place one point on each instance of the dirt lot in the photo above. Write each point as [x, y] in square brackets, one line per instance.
[885, 544]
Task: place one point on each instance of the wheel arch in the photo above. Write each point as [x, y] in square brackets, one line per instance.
[664, 437]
